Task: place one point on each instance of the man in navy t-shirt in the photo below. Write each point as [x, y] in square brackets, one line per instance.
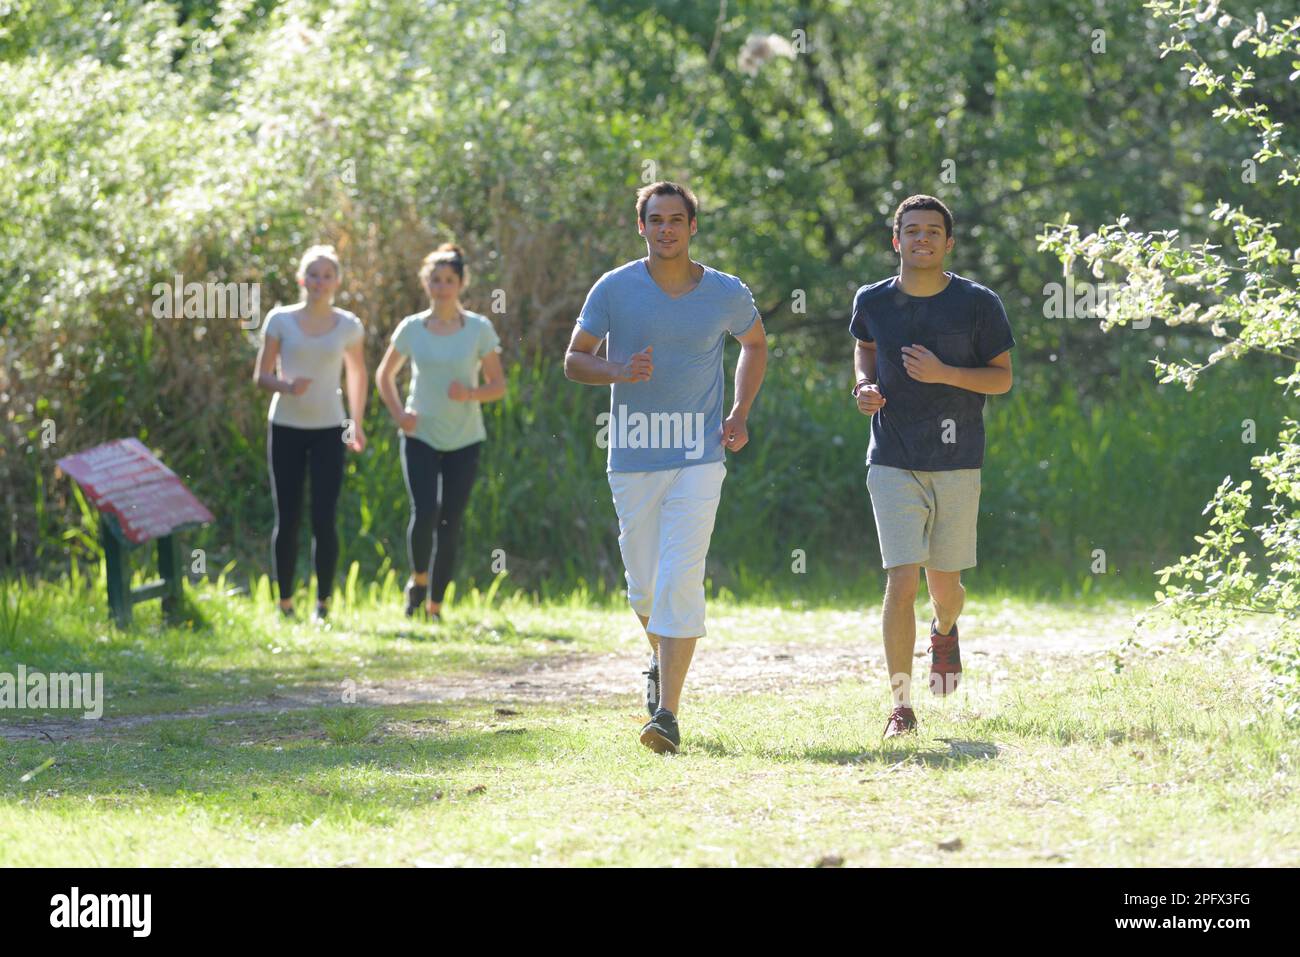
[930, 345]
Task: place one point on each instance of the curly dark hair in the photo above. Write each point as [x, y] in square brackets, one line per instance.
[922, 201]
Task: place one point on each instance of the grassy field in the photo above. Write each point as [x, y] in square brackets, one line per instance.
[508, 736]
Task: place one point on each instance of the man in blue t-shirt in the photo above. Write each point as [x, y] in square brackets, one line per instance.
[930, 345]
[665, 319]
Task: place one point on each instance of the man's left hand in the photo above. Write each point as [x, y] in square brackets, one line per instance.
[923, 365]
[735, 435]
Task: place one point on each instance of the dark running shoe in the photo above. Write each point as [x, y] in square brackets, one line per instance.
[660, 734]
[414, 598]
[321, 615]
[652, 685]
[901, 721]
[945, 661]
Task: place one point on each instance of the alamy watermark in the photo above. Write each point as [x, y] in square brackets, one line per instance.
[75, 909]
[55, 691]
[208, 300]
[651, 430]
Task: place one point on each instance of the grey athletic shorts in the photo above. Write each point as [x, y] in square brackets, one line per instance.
[925, 518]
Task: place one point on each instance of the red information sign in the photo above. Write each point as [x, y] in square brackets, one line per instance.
[125, 479]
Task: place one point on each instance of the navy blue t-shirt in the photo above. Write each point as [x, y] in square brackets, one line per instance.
[926, 426]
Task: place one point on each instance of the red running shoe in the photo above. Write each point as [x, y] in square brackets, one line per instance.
[901, 721]
[945, 660]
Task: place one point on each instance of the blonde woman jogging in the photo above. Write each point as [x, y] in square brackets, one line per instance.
[304, 349]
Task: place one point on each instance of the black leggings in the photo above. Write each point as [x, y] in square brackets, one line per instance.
[423, 466]
[291, 453]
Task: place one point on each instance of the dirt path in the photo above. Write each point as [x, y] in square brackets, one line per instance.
[732, 668]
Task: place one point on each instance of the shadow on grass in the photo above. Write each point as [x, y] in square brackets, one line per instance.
[468, 633]
[424, 632]
[282, 771]
[956, 753]
[547, 636]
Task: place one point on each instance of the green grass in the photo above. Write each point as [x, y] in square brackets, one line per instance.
[235, 648]
[1044, 758]
[350, 725]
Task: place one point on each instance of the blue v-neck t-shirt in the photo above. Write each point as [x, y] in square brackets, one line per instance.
[675, 418]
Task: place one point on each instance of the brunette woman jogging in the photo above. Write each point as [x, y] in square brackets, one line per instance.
[442, 420]
[304, 348]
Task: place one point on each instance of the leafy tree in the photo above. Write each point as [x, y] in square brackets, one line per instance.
[1242, 289]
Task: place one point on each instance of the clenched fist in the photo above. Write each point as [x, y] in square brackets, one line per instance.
[640, 367]
[870, 399]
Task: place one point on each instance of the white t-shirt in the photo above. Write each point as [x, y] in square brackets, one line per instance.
[319, 358]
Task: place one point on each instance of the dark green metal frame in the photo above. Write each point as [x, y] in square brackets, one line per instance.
[121, 596]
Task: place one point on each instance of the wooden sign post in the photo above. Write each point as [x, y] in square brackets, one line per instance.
[139, 499]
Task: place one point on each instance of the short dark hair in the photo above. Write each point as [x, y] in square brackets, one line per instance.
[922, 201]
[665, 188]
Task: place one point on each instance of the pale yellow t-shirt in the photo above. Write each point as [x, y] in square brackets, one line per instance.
[319, 358]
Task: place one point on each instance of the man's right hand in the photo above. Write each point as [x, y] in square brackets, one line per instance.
[406, 421]
[299, 386]
[639, 367]
[870, 399]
